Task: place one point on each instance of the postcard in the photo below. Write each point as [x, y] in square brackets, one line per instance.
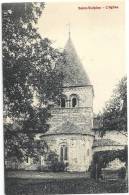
[64, 97]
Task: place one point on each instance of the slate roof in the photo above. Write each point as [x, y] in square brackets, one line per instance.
[72, 68]
[105, 142]
[68, 128]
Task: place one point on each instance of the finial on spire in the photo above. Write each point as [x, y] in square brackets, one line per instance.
[69, 30]
[25, 6]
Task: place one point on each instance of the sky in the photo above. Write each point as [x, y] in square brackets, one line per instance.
[98, 36]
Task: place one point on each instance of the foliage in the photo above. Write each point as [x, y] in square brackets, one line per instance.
[52, 157]
[114, 116]
[28, 68]
[102, 158]
[23, 145]
[58, 166]
[54, 164]
[122, 173]
[71, 185]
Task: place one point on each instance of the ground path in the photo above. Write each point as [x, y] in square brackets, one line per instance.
[39, 183]
[45, 175]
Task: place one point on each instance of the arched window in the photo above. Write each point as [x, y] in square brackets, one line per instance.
[63, 103]
[74, 100]
[28, 160]
[63, 153]
[66, 153]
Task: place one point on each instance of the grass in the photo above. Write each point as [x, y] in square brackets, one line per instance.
[15, 186]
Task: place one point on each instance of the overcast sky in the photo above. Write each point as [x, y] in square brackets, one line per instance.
[98, 36]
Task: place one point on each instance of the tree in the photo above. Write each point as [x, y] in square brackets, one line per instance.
[102, 158]
[114, 115]
[113, 118]
[28, 67]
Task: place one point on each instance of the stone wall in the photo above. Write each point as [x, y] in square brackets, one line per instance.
[85, 95]
[77, 116]
[79, 149]
[81, 115]
[79, 146]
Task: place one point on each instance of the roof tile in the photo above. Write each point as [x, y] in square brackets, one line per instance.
[72, 69]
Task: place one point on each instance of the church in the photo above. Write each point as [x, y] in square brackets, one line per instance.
[71, 134]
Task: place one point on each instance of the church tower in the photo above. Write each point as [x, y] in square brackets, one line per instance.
[70, 135]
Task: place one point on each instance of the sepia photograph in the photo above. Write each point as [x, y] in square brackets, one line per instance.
[64, 97]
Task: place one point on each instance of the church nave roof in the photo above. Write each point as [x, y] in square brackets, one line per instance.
[69, 128]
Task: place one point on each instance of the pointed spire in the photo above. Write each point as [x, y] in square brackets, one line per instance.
[73, 70]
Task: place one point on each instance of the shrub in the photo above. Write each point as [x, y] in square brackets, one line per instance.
[122, 173]
[58, 166]
[43, 168]
[95, 171]
[54, 164]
